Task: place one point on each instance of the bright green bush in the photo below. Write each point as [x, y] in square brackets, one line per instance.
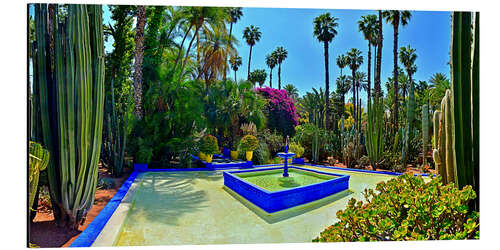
[296, 148]
[407, 208]
[261, 155]
[144, 155]
[209, 145]
[273, 140]
[248, 143]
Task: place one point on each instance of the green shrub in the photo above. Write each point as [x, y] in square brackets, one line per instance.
[248, 143]
[273, 140]
[364, 161]
[144, 155]
[296, 148]
[261, 155]
[407, 208]
[209, 145]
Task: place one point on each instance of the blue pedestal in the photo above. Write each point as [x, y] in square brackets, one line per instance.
[140, 167]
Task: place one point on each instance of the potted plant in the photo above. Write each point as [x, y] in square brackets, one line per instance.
[234, 151]
[248, 144]
[209, 147]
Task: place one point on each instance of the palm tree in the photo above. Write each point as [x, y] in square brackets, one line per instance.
[280, 53]
[407, 57]
[378, 65]
[216, 47]
[292, 91]
[207, 19]
[355, 59]
[271, 63]
[325, 32]
[369, 26]
[258, 76]
[138, 58]
[235, 14]
[342, 62]
[251, 35]
[439, 84]
[235, 65]
[395, 17]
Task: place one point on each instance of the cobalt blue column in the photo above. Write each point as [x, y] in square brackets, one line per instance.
[285, 170]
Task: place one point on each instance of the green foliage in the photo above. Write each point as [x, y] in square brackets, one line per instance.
[425, 132]
[69, 73]
[364, 161]
[352, 147]
[273, 140]
[209, 145]
[258, 76]
[296, 148]
[261, 154]
[249, 143]
[407, 208]
[144, 155]
[38, 161]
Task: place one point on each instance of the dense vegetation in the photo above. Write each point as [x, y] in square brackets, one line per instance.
[164, 89]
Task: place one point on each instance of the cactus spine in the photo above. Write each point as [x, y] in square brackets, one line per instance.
[69, 75]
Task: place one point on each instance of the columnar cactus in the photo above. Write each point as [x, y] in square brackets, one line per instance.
[69, 81]
[425, 132]
[38, 160]
[443, 141]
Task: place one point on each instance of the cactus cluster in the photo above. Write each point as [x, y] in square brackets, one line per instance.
[68, 87]
[38, 160]
[443, 141]
[425, 132]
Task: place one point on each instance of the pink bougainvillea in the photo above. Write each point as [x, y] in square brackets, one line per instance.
[282, 115]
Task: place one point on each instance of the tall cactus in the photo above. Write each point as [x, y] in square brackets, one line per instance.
[69, 73]
[410, 116]
[425, 132]
[38, 160]
[443, 153]
[465, 103]
[374, 131]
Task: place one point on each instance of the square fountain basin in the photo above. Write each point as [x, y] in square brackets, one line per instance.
[306, 185]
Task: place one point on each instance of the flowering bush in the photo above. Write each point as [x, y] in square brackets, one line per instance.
[407, 208]
[280, 110]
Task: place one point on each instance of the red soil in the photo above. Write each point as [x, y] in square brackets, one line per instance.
[45, 233]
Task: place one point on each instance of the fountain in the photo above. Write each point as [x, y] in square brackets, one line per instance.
[286, 155]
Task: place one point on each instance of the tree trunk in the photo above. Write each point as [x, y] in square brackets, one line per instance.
[139, 56]
[378, 90]
[230, 33]
[235, 77]
[369, 69]
[271, 78]
[187, 53]
[180, 49]
[249, 60]
[279, 75]
[327, 88]
[396, 85]
[343, 96]
[354, 96]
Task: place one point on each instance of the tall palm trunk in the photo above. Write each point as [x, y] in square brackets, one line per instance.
[187, 53]
[396, 85]
[379, 55]
[180, 48]
[225, 66]
[368, 90]
[235, 77]
[327, 88]
[271, 78]
[343, 95]
[138, 58]
[249, 60]
[279, 75]
[354, 96]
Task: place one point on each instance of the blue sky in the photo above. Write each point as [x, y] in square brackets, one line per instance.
[428, 32]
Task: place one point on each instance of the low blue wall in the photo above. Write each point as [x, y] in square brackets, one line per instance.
[279, 200]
